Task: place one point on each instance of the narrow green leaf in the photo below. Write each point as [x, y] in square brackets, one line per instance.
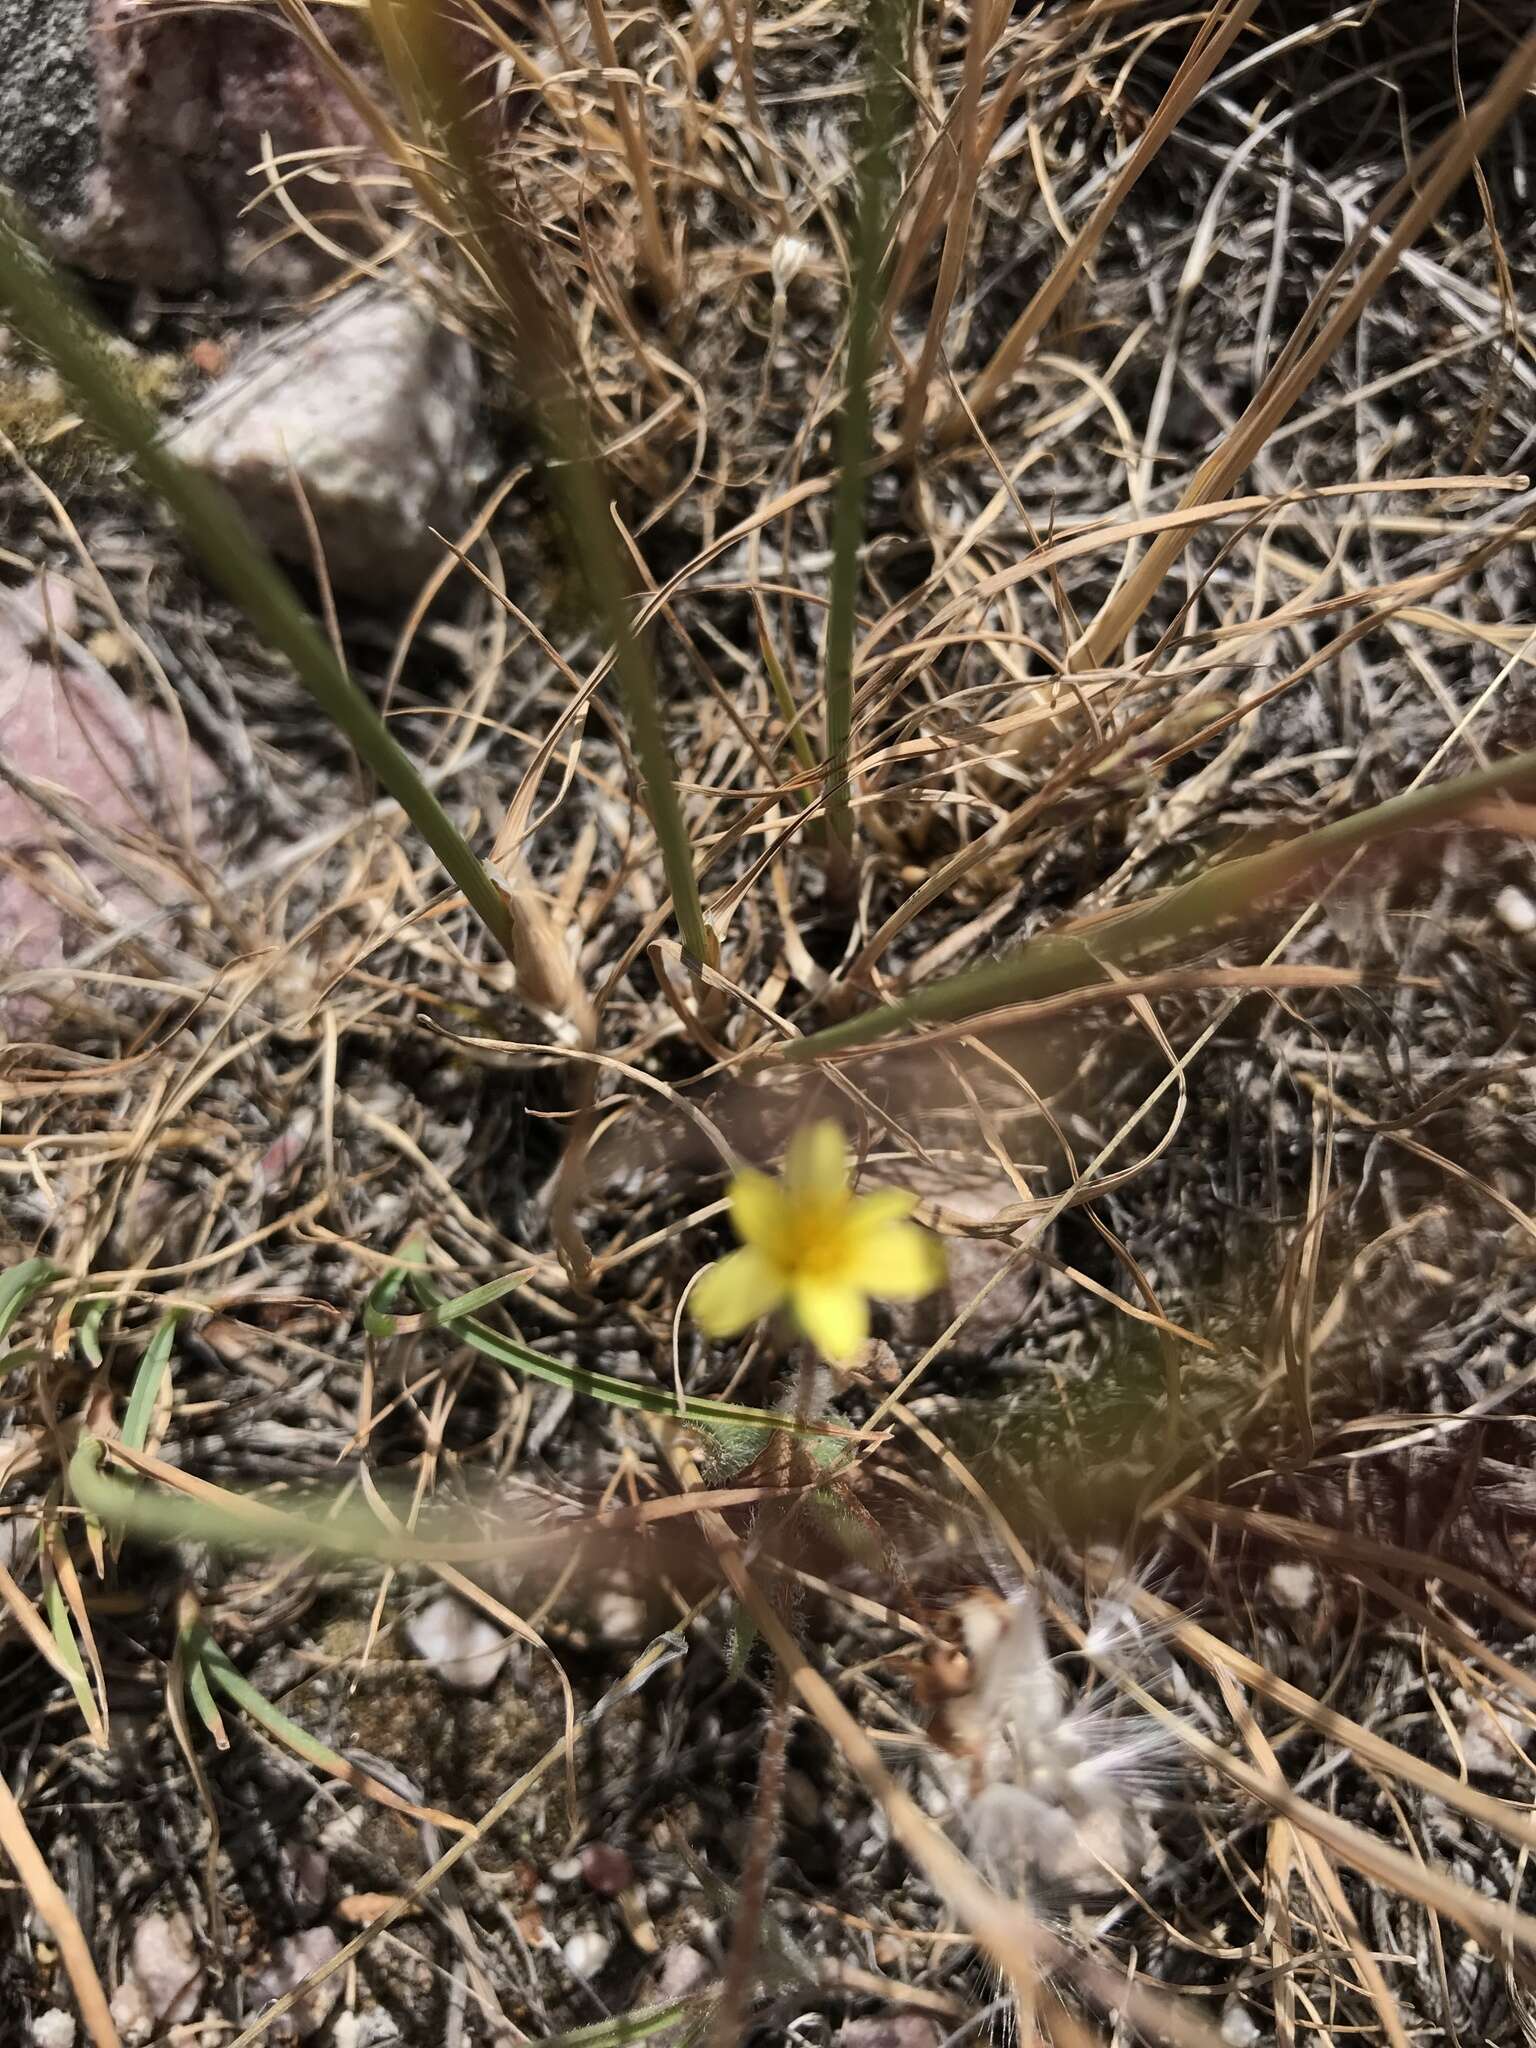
[1056, 963]
[68, 1645]
[19, 1284]
[206, 1654]
[201, 1696]
[147, 1382]
[378, 1321]
[637, 2026]
[88, 1329]
[479, 1297]
[646, 1396]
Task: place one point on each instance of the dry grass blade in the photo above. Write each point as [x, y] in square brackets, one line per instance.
[53, 1909]
[1218, 31]
[1431, 184]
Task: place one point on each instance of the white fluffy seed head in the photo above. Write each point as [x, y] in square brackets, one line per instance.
[1047, 1787]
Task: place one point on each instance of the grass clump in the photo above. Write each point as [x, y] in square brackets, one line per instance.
[1045, 722]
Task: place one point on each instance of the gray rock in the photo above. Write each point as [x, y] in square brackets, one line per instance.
[370, 405]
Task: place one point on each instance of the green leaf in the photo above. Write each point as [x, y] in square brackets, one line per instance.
[147, 1382]
[636, 2026]
[378, 1321]
[650, 1399]
[68, 1646]
[201, 1696]
[205, 1654]
[478, 1297]
[19, 1284]
[88, 1329]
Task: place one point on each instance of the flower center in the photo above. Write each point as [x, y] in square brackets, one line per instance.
[815, 1244]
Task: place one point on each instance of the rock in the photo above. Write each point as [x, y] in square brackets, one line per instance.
[905, 2030]
[53, 2030]
[289, 1963]
[618, 1616]
[681, 1972]
[81, 766]
[463, 1648]
[586, 1952]
[369, 404]
[1515, 911]
[1239, 2028]
[164, 1979]
[1295, 1586]
[130, 133]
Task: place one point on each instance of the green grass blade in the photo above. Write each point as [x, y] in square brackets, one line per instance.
[235, 1522]
[201, 1695]
[206, 1655]
[19, 1284]
[649, 1398]
[636, 2026]
[68, 1646]
[1225, 891]
[49, 315]
[478, 1297]
[147, 1382]
[88, 1329]
[474, 212]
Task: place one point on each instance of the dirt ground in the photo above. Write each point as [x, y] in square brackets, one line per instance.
[1201, 1490]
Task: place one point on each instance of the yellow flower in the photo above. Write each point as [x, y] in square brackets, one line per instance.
[812, 1243]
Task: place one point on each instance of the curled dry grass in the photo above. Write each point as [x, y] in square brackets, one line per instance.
[1264, 1171]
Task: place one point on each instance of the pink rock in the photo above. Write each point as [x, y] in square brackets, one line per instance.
[90, 790]
[131, 131]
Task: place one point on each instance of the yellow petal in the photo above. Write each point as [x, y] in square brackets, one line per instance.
[816, 1168]
[874, 1211]
[758, 1210]
[741, 1288]
[898, 1261]
[833, 1315]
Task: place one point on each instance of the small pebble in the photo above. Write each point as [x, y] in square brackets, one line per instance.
[619, 1617]
[1239, 2029]
[164, 1979]
[1515, 911]
[53, 2030]
[566, 1871]
[585, 1953]
[463, 1648]
[1294, 1585]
